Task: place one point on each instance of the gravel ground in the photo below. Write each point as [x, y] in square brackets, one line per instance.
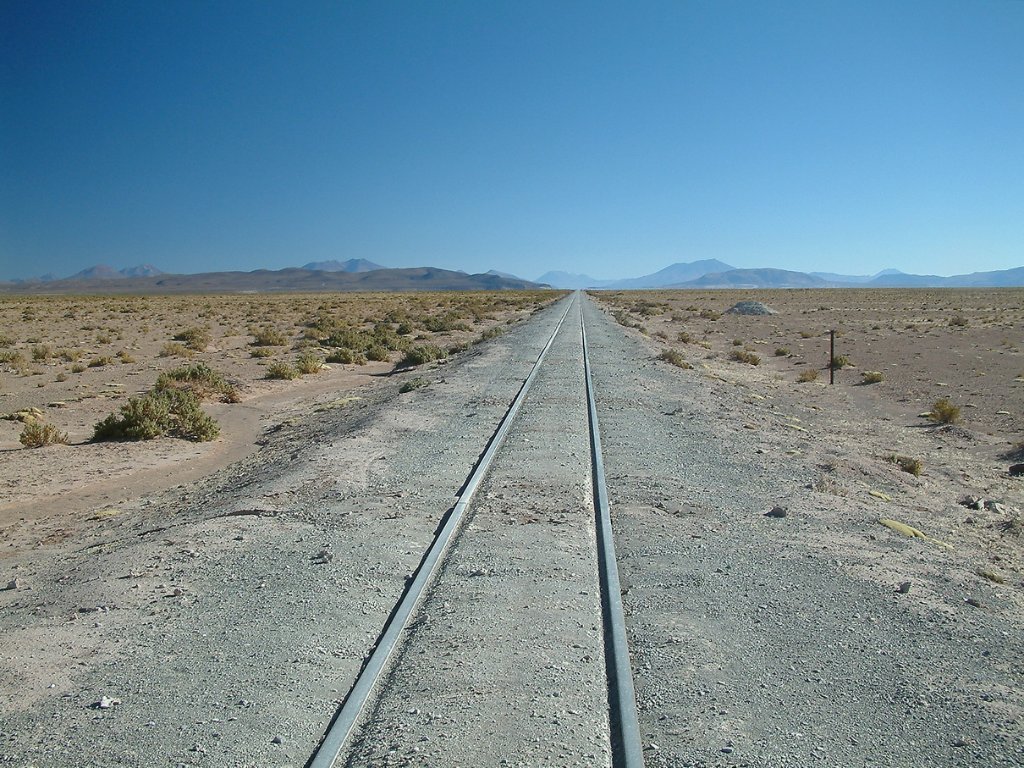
[224, 621]
[752, 645]
[505, 661]
[221, 623]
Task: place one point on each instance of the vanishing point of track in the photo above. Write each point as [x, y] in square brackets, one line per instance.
[624, 733]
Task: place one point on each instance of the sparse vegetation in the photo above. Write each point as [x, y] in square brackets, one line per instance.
[414, 383]
[346, 356]
[268, 336]
[907, 464]
[196, 339]
[745, 356]
[840, 361]
[782, 351]
[674, 357]
[871, 377]
[199, 379]
[36, 435]
[174, 412]
[424, 354]
[491, 333]
[175, 349]
[807, 375]
[308, 363]
[958, 321]
[684, 337]
[279, 369]
[944, 412]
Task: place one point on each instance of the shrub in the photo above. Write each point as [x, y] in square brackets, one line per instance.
[743, 356]
[684, 337]
[944, 412]
[907, 464]
[99, 362]
[424, 354]
[309, 362]
[77, 368]
[446, 322]
[377, 353]
[6, 341]
[958, 321]
[36, 435]
[268, 336]
[404, 329]
[491, 333]
[281, 370]
[871, 377]
[807, 375]
[737, 342]
[175, 349]
[261, 352]
[195, 338]
[125, 357]
[173, 412]
[782, 351]
[346, 356]
[710, 314]
[41, 352]
[412, 384]
[806, 335]
[200, 379]
[840, 361]
[675, 357]
[16, 360]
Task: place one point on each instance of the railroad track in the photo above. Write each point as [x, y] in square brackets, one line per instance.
[508, 587]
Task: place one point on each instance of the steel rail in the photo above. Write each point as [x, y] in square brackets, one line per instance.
[627, 749]
[345, 719]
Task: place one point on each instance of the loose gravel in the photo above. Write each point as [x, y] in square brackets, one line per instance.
[751, 647]
[505, 663]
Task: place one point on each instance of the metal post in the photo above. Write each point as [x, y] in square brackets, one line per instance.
[832, 357]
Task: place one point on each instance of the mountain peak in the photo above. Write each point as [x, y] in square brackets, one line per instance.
[352, 265]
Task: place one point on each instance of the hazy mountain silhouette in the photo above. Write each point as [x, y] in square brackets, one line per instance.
[673, 274]
[570, 281]
[352, 265]
[755, 278]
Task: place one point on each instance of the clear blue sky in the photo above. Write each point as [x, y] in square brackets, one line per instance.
[606, 138]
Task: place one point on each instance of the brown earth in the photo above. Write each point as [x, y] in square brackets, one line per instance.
[960, 344]
[77, 359]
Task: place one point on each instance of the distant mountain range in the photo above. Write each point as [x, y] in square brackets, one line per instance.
[352, 265]
[362, 275]
[108, 280]
[712, 273]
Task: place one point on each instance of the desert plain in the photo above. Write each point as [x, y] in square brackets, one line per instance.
[871, 445]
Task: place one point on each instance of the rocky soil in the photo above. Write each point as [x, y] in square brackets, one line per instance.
[220, 622]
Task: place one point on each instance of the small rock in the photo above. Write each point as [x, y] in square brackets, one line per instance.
[105, 702]
[1016, 470]
[777, 512]
[972, 502]
[322, 557]
[903, 588]
[995, 506]
[277, 740]
[974, 602]
[17, 583]
[726, 750]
